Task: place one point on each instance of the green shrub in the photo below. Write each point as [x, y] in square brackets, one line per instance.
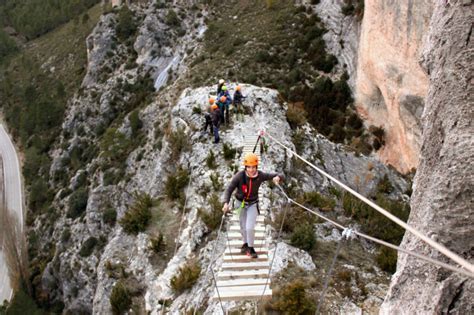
[387, 259]
[296, 115]
[66, 235]
[157, 243]
[179, 142]
[88, 247]
[211, 160]
[115, 146]
[77, 203]
[298, 140]
[216, 183]
[175, 184]
[213, 217]
[294, 218]
[303, 237]
[7, 45]
[21, 303]
[172, 18]
[335, 192]
[375, 223]
[384, 185]
[197, 110]
[135, 123]
[109, 216]
[136, 219]
[317, 200]
[126, 25]
[292, 299]
[229, 152]
[120, 298]
[187, 276]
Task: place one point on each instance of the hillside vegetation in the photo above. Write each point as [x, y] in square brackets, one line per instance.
[287, 53]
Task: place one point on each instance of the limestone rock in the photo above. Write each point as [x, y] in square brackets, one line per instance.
[442, 195]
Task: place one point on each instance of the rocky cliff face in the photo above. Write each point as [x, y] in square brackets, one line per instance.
[342, 38]
[442, 199]
[390, 85]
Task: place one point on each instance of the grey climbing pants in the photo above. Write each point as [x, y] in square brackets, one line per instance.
[248, 219]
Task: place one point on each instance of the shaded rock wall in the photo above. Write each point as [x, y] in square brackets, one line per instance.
[390, 84]
[442, 204]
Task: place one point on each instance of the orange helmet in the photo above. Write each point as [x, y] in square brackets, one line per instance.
[214, 107]
[211, 100]
[250, 159]
[223, 98]
[237, 88]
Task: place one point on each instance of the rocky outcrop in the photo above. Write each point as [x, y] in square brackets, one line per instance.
[342, 38]
[390, 85]
[442, 199]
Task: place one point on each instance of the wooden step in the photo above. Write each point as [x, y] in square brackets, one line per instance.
[236, 251]
[244, 258]
[243, 274]
[260, 219]
[238, 236]
[238, 244]
[236, 228]
[250, 265]
[229, 294]
[243, 282]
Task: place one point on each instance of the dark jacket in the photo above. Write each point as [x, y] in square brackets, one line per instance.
[238, 97]
[216, 117]
[243, 183]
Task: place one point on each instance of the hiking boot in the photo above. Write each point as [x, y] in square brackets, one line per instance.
[244, 248]
[251, 252]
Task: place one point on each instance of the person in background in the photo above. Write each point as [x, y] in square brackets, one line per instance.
[207, 116]
[219, 86]
[216, 121]
[237, 102]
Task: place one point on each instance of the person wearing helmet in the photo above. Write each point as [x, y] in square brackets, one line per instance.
[216, 121]
[220, 85]
[247, 182]
[207, 117]
[222, 104]
[225, 108]
[237, 102]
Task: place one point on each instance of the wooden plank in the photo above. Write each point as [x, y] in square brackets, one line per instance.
[241, 296]
[236, 228]
[238, 244]
[244, 258]
[236, 251]
[243, 282]
[246, 274]
[249, 265]
[238, 236]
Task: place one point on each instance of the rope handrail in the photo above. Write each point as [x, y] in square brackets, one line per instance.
[375, 240]
[211, 265]
[441, 248]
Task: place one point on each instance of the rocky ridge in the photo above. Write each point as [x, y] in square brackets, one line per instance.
[84, 284]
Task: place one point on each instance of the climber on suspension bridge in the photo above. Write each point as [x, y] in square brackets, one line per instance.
[247, 183]
[237, 101]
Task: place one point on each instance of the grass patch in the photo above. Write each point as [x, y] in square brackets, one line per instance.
[213, 217]
[136, 219]
[187, 276]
